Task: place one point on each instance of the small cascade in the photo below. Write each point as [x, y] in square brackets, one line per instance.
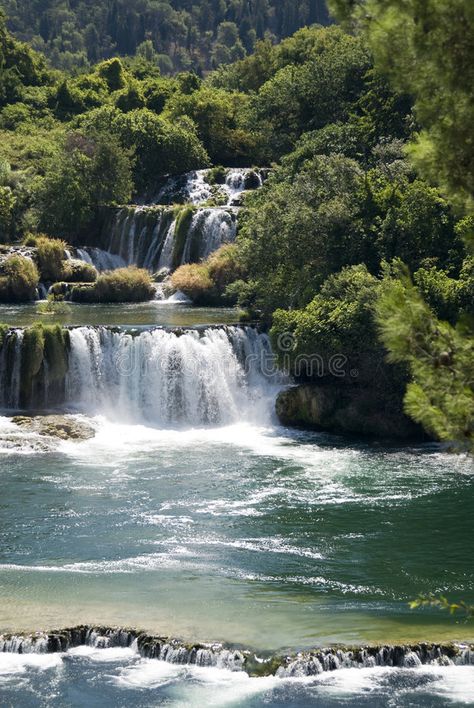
[201, 186]
[100, 259]
[209, 230]
[174, 651]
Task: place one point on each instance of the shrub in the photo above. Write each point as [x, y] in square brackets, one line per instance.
[32, 354]
[183, 223]
[208, 283]
[19, 279]
[195, 282]
[76, 271]
[224, 266]
[50, 253]
[122, 285]
[216, 175]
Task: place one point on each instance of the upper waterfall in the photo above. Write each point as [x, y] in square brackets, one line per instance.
[189, 218]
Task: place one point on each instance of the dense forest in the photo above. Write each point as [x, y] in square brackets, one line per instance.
[178, 34]
[358, 243]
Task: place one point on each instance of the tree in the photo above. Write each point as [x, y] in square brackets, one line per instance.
[426, 49]
[440, 358]
[88, 173]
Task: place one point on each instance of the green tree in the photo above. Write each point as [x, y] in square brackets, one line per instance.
[88, 173]
[440, 358]
[425, 47]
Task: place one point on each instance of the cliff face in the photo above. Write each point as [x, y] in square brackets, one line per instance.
[338, 408]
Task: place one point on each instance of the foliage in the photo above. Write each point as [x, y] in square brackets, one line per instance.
[183, 222]
[75, 271]
[217, 115]
[44, 347]
[208, 283]
[52, 307]
[440, 358]
[171, 34]
[19, 279]
[88, 173]
[442, 603]
[50, 254]
[194, 281]
[426, 49]
[338, 322]
[121, 285]
[7, 206]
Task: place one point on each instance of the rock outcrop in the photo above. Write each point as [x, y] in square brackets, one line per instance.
[357, 410]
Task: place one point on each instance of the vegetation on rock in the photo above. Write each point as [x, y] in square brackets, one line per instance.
[121, 285]
[19, 279]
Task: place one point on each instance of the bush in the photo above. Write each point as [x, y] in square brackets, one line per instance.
[122, 285]
[338, 326]
[50, 253]
[195, 282]
[19, 279]
[76, 271]
[208, 283]
[224, 266]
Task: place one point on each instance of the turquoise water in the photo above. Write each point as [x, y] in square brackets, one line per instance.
[156, 312]
[244, 532]
[266, 537]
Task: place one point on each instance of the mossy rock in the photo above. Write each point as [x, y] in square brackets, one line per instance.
[346, 410]
[56, 426]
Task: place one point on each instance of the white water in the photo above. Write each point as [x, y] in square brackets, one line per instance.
[102, 260]
[195, 188]
[212, 378]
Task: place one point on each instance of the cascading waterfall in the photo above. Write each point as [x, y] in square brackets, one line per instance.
[146, 236]
[214, 377]
[197, 187]
[174, 651]
[102, 260]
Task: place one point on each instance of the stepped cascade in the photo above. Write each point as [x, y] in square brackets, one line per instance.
[305, 664]
[184, 222]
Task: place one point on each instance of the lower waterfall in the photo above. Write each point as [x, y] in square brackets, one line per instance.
[210, 378]
[215, 376]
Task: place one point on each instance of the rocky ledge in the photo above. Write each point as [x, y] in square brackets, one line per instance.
[308, 663]
[342, 409]
[56, 426]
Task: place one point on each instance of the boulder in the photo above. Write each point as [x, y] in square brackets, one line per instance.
[63, 427]
[341, 409]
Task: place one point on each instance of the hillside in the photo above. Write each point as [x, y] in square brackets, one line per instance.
[180, 34]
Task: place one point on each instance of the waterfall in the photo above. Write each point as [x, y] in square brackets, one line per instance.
[174, 651]
[198, 187]
[146, 235]
[211, 377]
[102, 260]
[209, 230]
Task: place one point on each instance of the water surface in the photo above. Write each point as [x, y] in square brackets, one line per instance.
[155, 312]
